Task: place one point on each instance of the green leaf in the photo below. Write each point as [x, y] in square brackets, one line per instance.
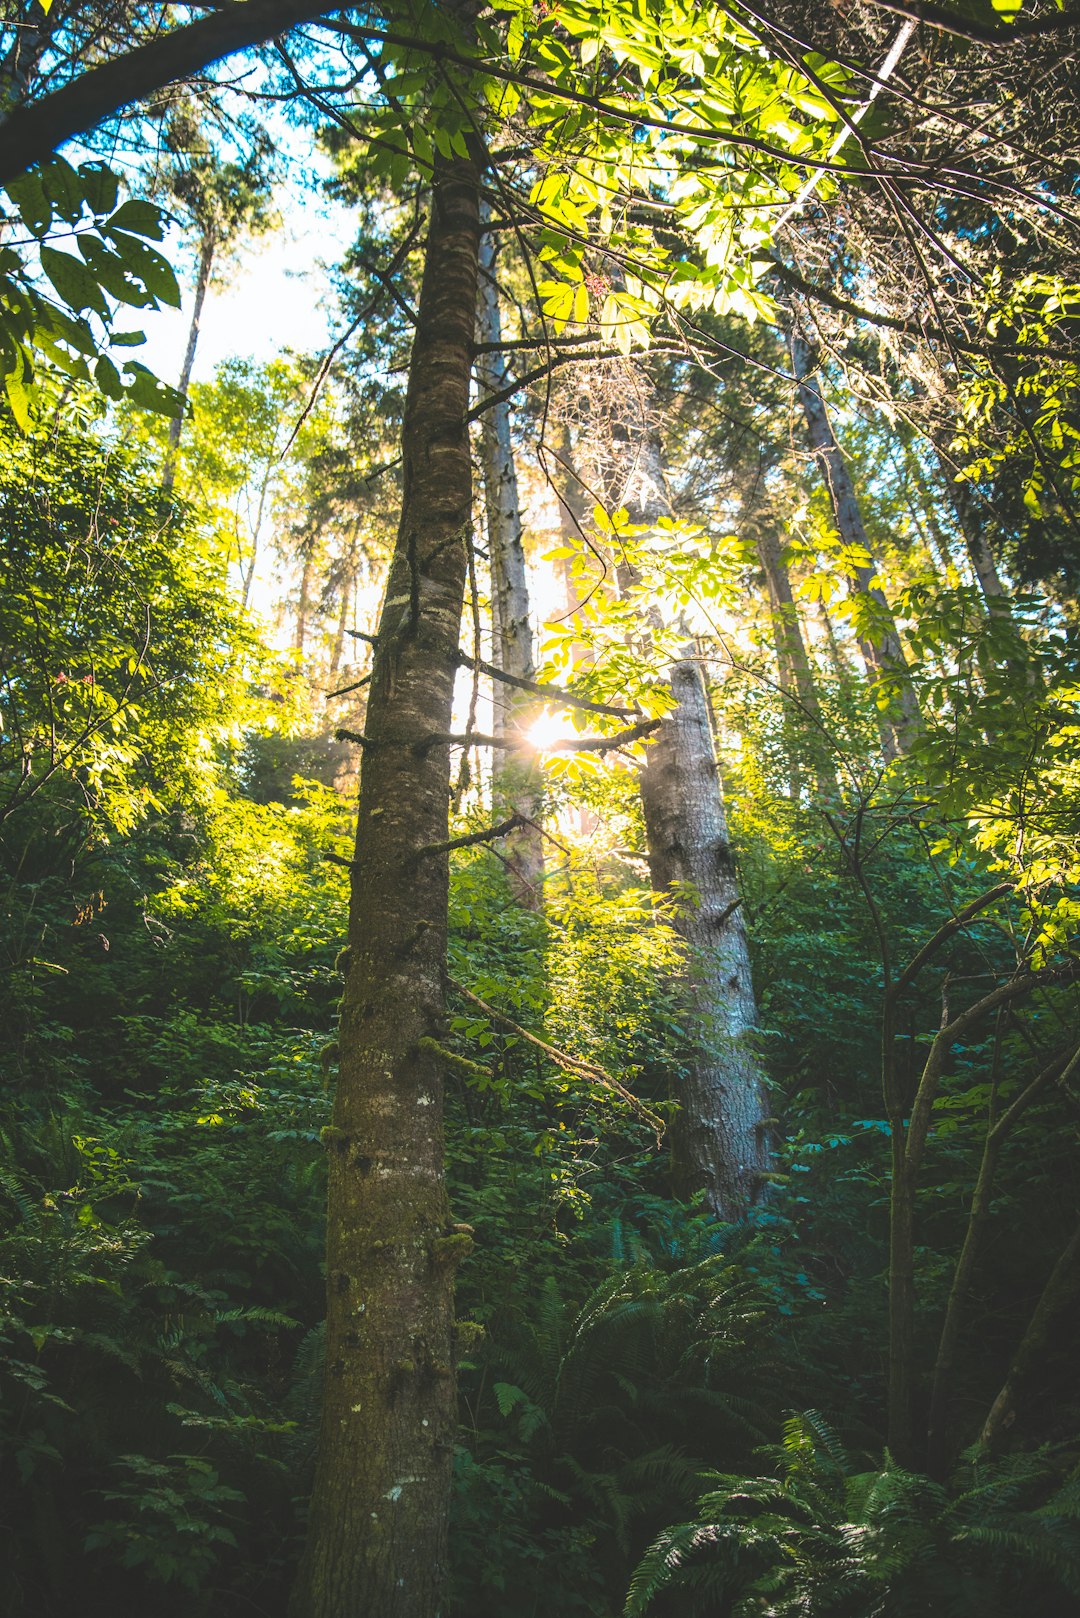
[151, 267]
[100, 186]
[138, 218]
[113, 274]
[18, 399]
[107, 378]
[63, 188]
[150, 393]
[28, 194]
[73, 281]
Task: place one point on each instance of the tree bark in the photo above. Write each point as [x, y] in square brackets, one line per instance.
[202, 284]
[378, 1528]
[338, 650]
[796, 676]
[303, 605]
[998, 1128]
[965, 507]
[1059, 1291]
[517, 781]
[33, 131]
[718, 1143]
[882, 652]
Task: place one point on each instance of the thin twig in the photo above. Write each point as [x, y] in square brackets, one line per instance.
[569, 1064]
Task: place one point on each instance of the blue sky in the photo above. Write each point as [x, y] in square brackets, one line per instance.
[275, 294]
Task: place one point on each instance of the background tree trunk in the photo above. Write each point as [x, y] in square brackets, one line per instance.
[718, 1143]
[965, 503]
[176, 425]
[517, 780]
[378, 1527]
[1059, 1291]
[881, 649]
[803, 720]
[303, 605]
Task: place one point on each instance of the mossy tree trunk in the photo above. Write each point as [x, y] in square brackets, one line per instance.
[378, 1526]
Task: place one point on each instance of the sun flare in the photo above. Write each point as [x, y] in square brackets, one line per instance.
[547, 729]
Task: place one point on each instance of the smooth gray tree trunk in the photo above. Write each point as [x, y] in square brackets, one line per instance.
[517, 779]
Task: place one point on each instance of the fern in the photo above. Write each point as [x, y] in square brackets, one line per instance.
[820, 1540]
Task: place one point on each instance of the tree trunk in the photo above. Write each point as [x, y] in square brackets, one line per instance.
[879, 642]
[1058, 1293]
[997, 1131]
[965, 505]
[718, 1138]
[33, 132]
[378, 1528]
[796, 676]
[303, 605]
[908, 1145]
[176, 425]
[517, 781]
[338, 650]
[718, 1143]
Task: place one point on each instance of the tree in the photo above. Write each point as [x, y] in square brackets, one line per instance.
[118, 653]
[519, 784]
[388, 1417]
[585, 144]
[879, 642]
[718, 1143]
[224, 201]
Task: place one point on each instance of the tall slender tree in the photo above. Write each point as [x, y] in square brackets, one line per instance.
[518, 782]
[879, 642]
[718, 1138]
[803, 719]
[224, 201]
[378, 1523]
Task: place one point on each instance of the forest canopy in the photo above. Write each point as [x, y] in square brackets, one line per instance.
[541, 835]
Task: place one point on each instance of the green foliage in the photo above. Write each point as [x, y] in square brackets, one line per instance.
[113, 265]
[615, 105]
[171, 926]
[1018, 426]
[169, 1519]
[590, 1422]
[122, 665]
[822, 1539]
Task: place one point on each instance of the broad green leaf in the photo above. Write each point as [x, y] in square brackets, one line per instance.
[138, 218]
[18, 399]
[73, 281]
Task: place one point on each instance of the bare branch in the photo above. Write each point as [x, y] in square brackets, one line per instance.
[569, 1064]
[945, 932]
[570, 744]
[490, 835]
